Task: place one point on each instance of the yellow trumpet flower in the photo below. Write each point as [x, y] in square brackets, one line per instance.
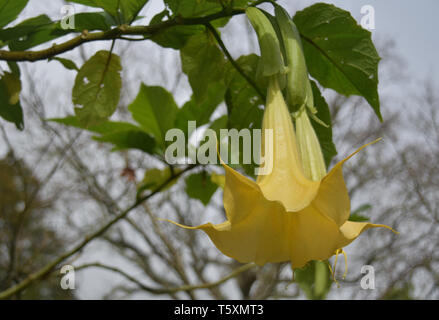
[284, 215]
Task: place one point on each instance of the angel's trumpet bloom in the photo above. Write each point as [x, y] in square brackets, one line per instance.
[285, 215]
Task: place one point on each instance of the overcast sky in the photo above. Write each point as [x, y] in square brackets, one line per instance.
[413, 25]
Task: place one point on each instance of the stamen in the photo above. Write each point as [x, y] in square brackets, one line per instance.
[332, 273]
[345, 263]
[336, 259]
[333, 270]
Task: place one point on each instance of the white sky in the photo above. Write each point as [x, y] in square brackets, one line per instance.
[413, 25]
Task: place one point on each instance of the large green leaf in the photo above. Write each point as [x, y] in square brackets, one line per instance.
[177, 36]
[200, 186]
[218, 124]
[243, 101]
[130, 139]
[244, 105]
[9, 10]
[324, 134]
[91, 21]
[339, 53]
[203, 62]
[123, 135]
[97, 88]
[155, 110]
[200, 112]
[10, 108]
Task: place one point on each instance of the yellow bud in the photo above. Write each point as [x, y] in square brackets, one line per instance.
[313, 163]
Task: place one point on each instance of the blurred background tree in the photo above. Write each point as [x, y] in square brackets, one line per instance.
[28, 241]
[59, 185]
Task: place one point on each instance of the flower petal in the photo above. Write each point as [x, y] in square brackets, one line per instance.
[333, 199]
[259, 230]
[286, 182]
[314, 237]
[351, 230]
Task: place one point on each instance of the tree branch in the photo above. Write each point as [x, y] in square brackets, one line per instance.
[116, 33]
[48, 267]
[132, 279]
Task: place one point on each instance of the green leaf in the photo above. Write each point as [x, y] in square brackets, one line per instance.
[193, 8]
[158, 18]
[97, 88]
[200, 112]
[130, 9]
[69, 64]
[40, 29]
[324, 134]
[203, 62]
[200, 186]
[10, 9]
[177, 36]
[125, 11]
[123, 135]
[111, 6]
[10, 108]
[218, 124]
[244, 105]
[155, 110]
[156, 177]
[29, 33]
[91, 21]
[130, 139]
[339, 53]
[314, 279]
[242, 99]
[357, 217]
[25, 28]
